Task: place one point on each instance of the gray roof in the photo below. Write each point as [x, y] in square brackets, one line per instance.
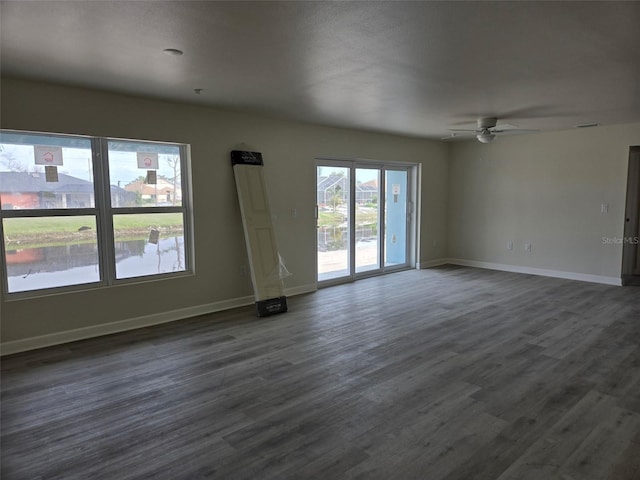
[22, 182]
[325, 183]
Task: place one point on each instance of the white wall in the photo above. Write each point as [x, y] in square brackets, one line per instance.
[289, 151]
[545, 189]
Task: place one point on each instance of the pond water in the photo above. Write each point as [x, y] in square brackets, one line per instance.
[73, 264]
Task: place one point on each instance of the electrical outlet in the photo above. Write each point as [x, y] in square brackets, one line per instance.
[604, 208]
[243, 271]
[527, 247]
[509, 245]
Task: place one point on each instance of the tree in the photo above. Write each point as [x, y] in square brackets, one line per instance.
[9, 161]
[174, 163]
[334, 197]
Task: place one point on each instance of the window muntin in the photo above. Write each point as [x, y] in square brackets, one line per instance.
[63, 237]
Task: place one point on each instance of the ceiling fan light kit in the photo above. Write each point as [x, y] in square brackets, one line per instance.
[486, 136]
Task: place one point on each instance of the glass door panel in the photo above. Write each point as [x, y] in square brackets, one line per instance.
[364, 220]
[367, 216]
[333, 227]
[395, 236]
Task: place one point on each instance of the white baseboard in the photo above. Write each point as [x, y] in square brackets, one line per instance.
[433, 263]
[302, 289]
[67, 336]
[537, 271]
[57, 338]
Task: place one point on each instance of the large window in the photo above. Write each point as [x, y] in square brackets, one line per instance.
[78, 211]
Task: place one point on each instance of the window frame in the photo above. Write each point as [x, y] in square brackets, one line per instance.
[103, 212]
[412, 232]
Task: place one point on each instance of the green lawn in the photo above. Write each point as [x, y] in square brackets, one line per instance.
[27, 227]
[146, 220]
[62, 226]
[331, 219]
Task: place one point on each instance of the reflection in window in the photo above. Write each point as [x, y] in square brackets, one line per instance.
[148, 244]
[50, 252]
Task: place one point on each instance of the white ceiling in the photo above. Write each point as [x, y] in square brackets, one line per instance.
[412, 68]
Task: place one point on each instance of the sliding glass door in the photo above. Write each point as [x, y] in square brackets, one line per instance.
[364, 219]
[333, 221]
[397, 217]
[367, 216]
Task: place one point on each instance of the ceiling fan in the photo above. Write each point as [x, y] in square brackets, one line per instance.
[487, 130]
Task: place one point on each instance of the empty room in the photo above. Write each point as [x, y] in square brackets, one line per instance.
[314, 239]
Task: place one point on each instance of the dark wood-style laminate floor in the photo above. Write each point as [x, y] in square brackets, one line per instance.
[450, 373]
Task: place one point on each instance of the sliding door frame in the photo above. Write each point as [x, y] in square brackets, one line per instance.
[412, 231]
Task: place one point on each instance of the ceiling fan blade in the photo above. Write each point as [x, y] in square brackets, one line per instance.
[457, 135]
[526, 112]
[461, 130]
[465, 124]
[505, 126]
[514, 131]
[534, 111]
